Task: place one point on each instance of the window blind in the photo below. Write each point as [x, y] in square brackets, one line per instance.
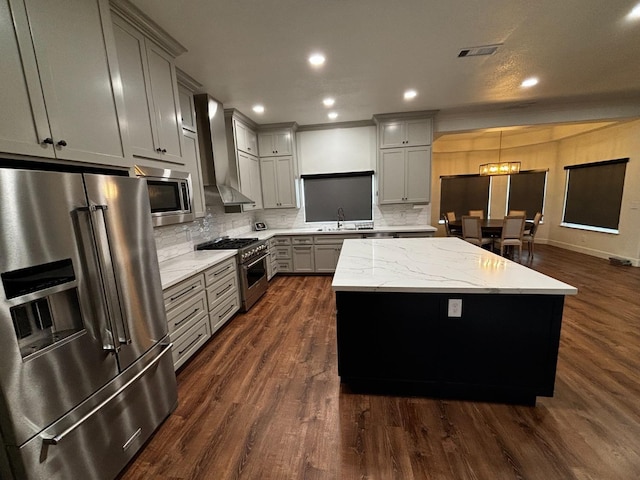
[593, 195]
[461, 193]
[325, 193]
[526, 192]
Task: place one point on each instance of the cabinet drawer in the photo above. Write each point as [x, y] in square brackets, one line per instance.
[183, 290]
[224, 312]
[215, 273]
[187, 344]
[185, 314]
[302, 240]
[281, 241]
[222, 289]
[282, 253]
[331, 239]
[284, 266]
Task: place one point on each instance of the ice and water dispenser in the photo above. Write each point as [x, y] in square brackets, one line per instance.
[47, 308]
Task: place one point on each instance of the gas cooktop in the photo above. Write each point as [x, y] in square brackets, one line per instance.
[226, 244]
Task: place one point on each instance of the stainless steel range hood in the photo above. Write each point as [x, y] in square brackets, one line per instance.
[219, 173]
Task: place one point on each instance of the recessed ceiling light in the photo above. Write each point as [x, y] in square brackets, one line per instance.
[316, 59]
[410, 94]
[332, 115]
[258, 108]
[529, 82]
[328, 102]
[634, 14]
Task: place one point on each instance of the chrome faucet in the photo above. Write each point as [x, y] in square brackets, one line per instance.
[340, 217]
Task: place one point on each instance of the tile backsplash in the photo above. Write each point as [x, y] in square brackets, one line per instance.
[175, 240]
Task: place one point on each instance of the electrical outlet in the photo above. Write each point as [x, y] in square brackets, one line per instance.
[455, 308]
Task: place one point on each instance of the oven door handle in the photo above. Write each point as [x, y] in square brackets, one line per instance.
[254, 262]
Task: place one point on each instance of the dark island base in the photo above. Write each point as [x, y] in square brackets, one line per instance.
[442, 391]
[504, 348]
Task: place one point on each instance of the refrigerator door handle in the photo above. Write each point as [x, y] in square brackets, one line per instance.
[56, 439]
[108, 269]
[113, 344]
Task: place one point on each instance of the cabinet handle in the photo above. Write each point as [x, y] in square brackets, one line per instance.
[187, 317]
[164, 150]
[190, 344]
[62, 143]
[225, 312]
[224, 290]
[183, 292]
[159, 150]
[222, 270]
[48, 141]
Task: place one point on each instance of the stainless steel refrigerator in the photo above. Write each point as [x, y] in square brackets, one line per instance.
[86, 373]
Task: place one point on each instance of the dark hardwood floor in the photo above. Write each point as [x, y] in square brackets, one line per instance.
[262, 400]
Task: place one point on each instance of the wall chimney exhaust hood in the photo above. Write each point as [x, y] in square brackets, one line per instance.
[219, 173]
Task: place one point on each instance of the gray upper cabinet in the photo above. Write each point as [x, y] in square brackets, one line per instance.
[278, 183]
[187, 109]
[278, 165]
[276, 143]
[246, 139]
[150, 92]
[404, 157]
[57, 95]
[404, 175]
[191, 150]
[405, 133]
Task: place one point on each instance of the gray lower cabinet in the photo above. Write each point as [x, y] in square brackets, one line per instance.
[327, 251]
[198, 306]
[272, 261]
[303, 260]
[281, 254]
[316, 253]
[302, 254]
[223, 295]
[326, 257]
[187, 317]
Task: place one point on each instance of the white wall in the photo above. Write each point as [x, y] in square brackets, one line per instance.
[618, 141]
[337, 150]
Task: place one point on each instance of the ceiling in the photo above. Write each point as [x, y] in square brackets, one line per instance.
[247, 52]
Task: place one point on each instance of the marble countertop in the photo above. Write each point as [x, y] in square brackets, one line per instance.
[180, 268]
[435, 265]
[267, 234]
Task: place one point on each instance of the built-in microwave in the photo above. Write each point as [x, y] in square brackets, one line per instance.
[169, 195]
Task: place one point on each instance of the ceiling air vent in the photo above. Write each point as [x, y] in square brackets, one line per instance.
[479, 51]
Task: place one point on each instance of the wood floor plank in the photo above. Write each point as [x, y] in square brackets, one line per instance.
[263, 400]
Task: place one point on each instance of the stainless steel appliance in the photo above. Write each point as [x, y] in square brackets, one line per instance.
[219, 171]
[86, 370]
[252, 265]
[170, 195]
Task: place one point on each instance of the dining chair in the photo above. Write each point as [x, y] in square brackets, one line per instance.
[518, 213]
[512, 234]
[447, 227]
[472, 231]
[451, 216]
[476, 213]
[529, 235]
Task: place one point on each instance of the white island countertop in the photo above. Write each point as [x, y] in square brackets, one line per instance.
[435, 265]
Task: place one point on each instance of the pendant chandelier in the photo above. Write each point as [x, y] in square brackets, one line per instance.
[499, 168]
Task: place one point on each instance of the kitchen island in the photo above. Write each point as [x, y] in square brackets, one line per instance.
[441, 317]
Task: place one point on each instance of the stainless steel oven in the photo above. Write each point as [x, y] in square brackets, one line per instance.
[253, 278]
[169, 195]
[252, 265]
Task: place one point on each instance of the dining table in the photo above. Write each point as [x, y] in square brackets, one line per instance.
[491, 227]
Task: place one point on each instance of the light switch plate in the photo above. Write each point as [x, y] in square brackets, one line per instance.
[455, 308]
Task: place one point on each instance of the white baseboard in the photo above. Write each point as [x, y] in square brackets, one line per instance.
[587, 251]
